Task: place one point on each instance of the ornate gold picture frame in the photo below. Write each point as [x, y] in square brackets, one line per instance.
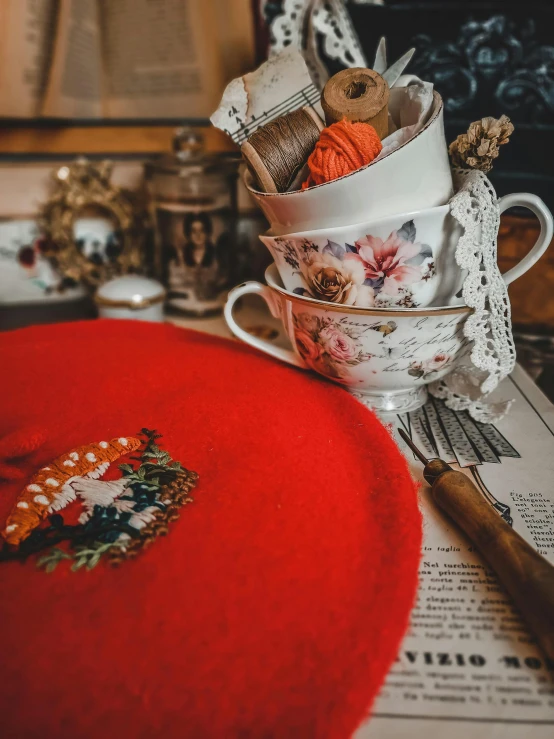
[93, 229]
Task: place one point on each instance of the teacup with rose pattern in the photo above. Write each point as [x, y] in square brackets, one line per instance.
[384, 357]
[403, 261]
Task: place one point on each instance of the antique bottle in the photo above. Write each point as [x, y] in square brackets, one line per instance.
[193, 196]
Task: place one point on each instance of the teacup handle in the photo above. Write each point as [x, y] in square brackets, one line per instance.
[265, 292]
[538, 207]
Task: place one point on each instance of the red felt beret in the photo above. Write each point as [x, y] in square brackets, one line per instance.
[272, 606]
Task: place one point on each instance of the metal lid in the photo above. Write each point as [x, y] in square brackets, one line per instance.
[189, 156]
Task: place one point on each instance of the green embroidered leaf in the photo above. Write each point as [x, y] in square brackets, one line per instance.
[51, 559]
[126, 468]
[93, 561]
[78, 563]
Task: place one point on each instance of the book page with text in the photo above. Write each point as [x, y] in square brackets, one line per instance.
[160, 59]
[469, 668]
[75, 81]
[26, 40]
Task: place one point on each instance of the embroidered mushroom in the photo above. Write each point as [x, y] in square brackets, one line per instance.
[56, 485]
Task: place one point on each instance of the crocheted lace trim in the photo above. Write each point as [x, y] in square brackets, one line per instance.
[493, 355]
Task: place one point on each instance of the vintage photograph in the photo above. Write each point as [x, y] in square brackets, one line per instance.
[194, 253]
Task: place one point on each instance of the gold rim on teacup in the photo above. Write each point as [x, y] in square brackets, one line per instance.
[438, 106]
[272, 274]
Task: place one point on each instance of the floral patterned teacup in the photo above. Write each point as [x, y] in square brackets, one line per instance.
[384, 357]
[404, 261]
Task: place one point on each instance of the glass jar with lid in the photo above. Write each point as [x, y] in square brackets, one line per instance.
[193, 197]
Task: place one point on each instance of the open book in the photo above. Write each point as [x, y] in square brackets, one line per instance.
[122, 59]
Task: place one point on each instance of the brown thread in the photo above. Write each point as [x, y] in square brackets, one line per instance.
[276, 152]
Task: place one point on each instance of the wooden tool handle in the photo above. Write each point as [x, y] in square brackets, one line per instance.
[357, 94]
[526, 575]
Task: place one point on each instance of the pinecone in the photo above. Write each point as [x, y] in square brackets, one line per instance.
[478, 148]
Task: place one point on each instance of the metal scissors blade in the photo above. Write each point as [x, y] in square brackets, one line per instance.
[392, 74]
[380, 63]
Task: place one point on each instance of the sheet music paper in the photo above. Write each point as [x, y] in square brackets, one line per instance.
[279, 86]
[468, 666]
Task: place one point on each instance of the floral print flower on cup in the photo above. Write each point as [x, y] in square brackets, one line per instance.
[371, 272]
[337, 280]
[327, 346]
[388, 264]
[425, 370]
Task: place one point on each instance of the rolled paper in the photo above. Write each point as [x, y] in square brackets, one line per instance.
[358, 95]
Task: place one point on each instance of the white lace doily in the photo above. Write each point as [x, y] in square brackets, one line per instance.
[298, 25]
[493, 356]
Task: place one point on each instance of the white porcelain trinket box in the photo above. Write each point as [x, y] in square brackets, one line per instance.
[131, 297]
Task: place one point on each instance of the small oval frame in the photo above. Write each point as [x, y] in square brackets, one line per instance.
[85, 185]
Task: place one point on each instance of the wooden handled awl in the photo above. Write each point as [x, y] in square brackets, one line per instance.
[527, 576]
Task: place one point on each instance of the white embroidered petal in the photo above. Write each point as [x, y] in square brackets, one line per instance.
[124, 506]
[90, 456]
[53, 483]
[69, 463]
[103, 444]
[74, 456]
[123, 441]
[10, 528]
[142, 518]
[63, 497]
[98, 492]
[41, 499]
[22, 504]
[34, 488]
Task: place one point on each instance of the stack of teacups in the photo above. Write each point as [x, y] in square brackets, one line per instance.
[374, 306]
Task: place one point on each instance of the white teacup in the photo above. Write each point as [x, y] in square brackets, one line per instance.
[403, 261]
[416, 175]
[384, 357]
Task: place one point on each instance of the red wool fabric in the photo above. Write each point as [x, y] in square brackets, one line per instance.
[277, 602]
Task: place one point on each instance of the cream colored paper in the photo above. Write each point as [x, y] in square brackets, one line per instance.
[119, 58]
[278, 86]
[26, 35]
[75, 80]
[468, 662]
[159, 56]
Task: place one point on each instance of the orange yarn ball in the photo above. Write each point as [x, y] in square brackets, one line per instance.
[343, 147]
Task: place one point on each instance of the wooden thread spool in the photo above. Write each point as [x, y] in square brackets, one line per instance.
[277, 152]
[358, 95]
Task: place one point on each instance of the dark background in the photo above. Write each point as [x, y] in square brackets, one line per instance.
[485, 58]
